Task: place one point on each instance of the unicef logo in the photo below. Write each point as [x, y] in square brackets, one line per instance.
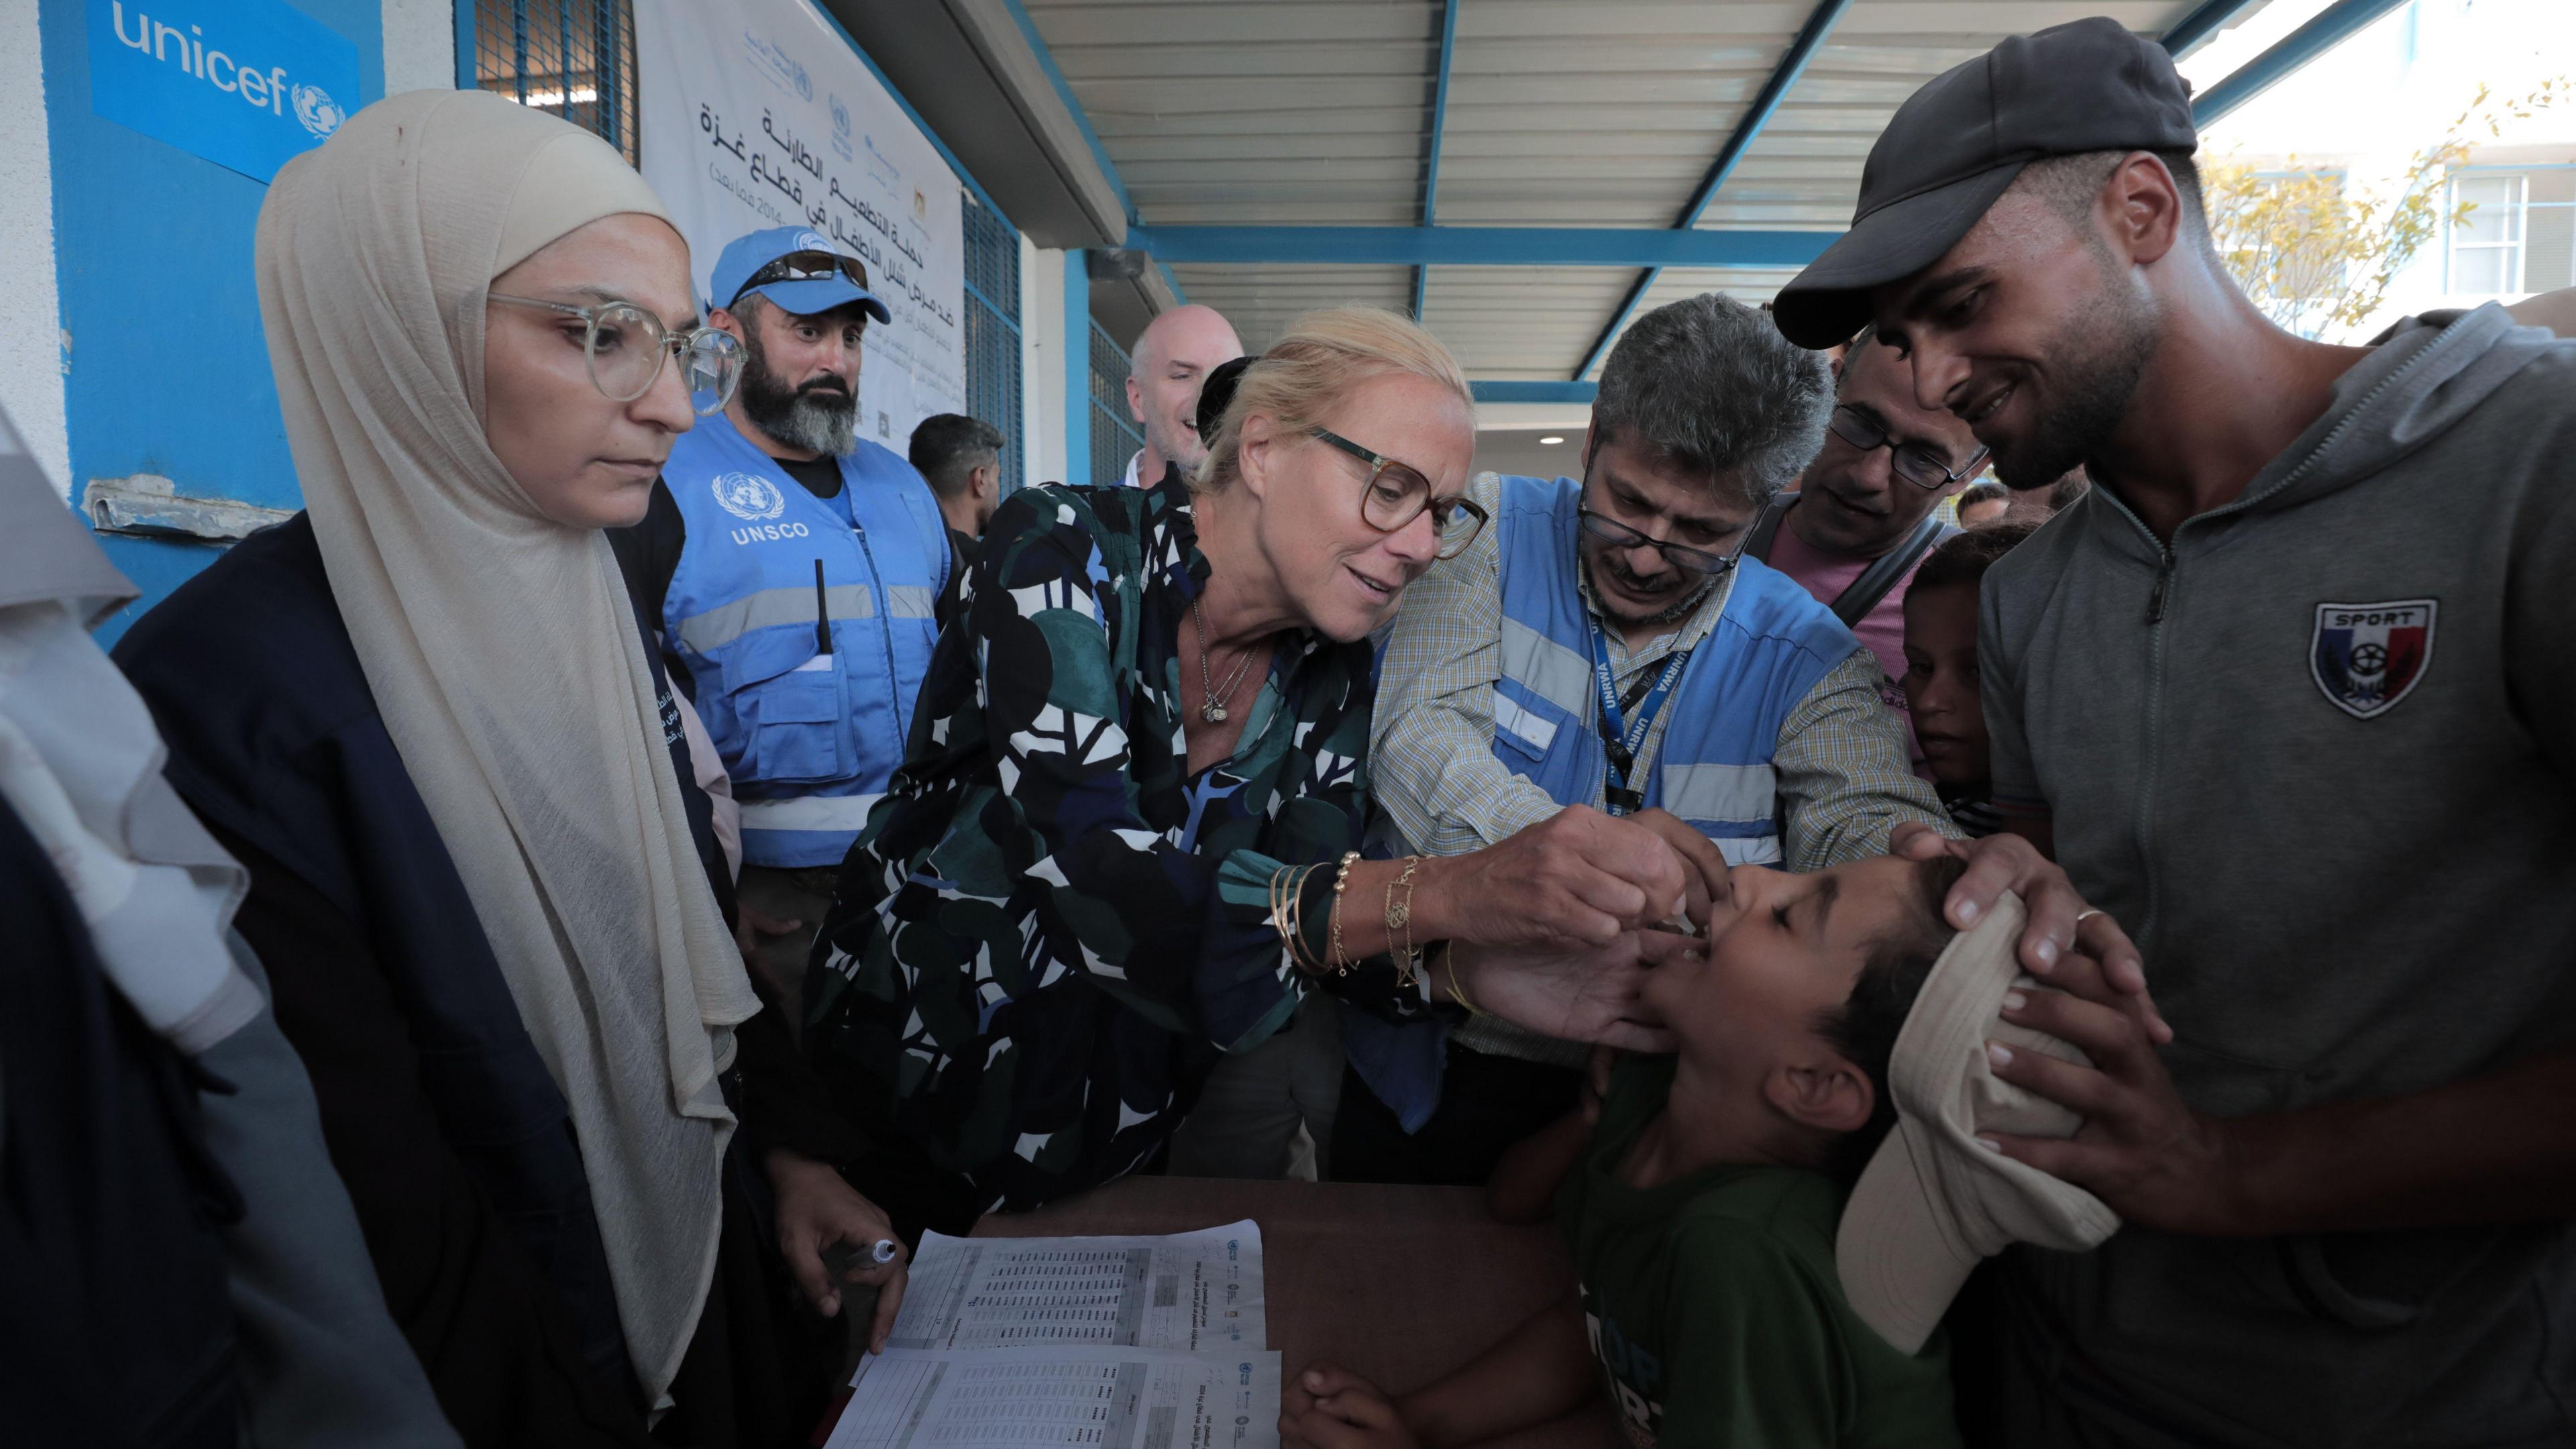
[840, 116]
[320, 114]
[749, 496]
[812, 241]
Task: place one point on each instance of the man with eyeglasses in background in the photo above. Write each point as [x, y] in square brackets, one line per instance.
[793, 568]
[1862, 518]
[1605, 645]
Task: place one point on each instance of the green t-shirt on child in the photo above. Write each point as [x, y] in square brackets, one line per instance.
[1713, 1305]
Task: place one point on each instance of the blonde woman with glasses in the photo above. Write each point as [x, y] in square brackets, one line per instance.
[1127, 835]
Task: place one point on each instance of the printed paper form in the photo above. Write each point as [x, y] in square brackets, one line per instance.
[1187, 1291]
[1117, 1398]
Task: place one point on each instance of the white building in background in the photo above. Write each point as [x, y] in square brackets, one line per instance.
[2367, 108]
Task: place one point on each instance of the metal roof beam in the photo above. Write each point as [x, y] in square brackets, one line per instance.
[2332, 26]
[1802, 49]
[1479, 246]
[1439, 122]
[1535, 392]
[2210, 18]
[978, 81]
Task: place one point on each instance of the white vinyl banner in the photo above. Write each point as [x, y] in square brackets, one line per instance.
[756, 113]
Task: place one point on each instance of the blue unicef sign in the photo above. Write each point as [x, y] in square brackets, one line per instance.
[249, 84]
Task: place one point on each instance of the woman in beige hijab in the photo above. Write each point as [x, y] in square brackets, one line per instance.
[423, 715]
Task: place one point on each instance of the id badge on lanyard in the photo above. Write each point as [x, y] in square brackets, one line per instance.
[1623, 735]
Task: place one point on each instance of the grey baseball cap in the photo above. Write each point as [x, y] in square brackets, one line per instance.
[1956, 144]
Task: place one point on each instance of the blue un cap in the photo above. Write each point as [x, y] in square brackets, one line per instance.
[795, 267]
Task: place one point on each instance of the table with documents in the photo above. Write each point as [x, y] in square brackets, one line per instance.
[1169, 1323]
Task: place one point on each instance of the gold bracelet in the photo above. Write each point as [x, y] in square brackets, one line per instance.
[1278, 904]
[1297, 923]
[1280, 920]
[1457, 993]
[1341, 883]
[1399, 917]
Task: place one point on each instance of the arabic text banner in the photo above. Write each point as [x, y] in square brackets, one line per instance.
[755, 113]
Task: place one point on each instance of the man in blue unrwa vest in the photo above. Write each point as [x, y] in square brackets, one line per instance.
[1607, 646]
[793, 567]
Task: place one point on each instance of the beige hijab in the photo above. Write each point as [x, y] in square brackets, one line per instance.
[503, 652]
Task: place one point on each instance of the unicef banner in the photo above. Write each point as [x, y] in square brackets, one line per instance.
[248, 84]
[756, 113]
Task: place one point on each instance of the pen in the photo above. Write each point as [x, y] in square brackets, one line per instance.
[840, 1258]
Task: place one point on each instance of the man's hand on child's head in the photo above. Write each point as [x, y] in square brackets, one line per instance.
[2141, 1149]
[2059, 918]
[1329, 1407]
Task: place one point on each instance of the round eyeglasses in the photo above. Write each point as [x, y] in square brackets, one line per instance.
[1698, 561]
[1916, 463]
[627, 347]
[1397, 493]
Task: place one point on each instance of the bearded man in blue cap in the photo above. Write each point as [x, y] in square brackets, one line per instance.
[792, 567]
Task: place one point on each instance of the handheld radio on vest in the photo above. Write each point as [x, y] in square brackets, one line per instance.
[822, 613]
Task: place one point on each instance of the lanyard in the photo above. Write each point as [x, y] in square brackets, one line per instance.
[1621, 735]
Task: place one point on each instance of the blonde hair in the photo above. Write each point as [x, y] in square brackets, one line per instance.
[1324, 357]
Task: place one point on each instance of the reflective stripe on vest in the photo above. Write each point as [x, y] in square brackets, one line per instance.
[809, 812]
[708, 632]
[1719, 792]
[1768, 647]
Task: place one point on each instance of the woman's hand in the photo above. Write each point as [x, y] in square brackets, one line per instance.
[1329, 1407]
[1576, 879]
[817, 1209]
[1578, 995]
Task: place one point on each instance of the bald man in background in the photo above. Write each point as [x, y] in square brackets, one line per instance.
[1172, 357]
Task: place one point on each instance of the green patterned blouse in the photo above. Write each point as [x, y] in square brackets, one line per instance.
[1050, 928]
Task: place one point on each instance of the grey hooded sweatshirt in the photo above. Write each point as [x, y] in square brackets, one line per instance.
[2319, 758]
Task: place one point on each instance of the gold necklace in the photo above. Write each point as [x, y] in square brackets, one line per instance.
[1212, 703]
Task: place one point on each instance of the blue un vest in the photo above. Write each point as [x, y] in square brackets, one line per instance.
[1769, 646]
[810, 740]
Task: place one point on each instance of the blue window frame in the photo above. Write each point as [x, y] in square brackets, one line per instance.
[573, 58]
[993, 331]
[1113, 438]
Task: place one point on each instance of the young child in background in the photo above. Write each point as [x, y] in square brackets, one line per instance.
[1941, 670]
[1983, 504]
[1701, 1194]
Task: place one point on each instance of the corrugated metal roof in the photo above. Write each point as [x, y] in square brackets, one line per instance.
[1261, 301]
[1521, 323]
[1271, 111]
[1560, 113]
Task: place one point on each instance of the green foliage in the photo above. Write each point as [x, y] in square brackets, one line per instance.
[2318, 260]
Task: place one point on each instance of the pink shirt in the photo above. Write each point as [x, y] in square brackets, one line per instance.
[1881, 630]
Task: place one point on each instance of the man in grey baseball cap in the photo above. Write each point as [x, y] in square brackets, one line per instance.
[2312, 742]
[1959, 143]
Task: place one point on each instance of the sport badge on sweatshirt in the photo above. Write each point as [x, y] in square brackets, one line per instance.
[2366, 657]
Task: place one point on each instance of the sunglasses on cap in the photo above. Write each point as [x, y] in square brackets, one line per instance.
[806, 266]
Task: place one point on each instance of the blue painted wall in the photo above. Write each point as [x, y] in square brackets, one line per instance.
[165, 367]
